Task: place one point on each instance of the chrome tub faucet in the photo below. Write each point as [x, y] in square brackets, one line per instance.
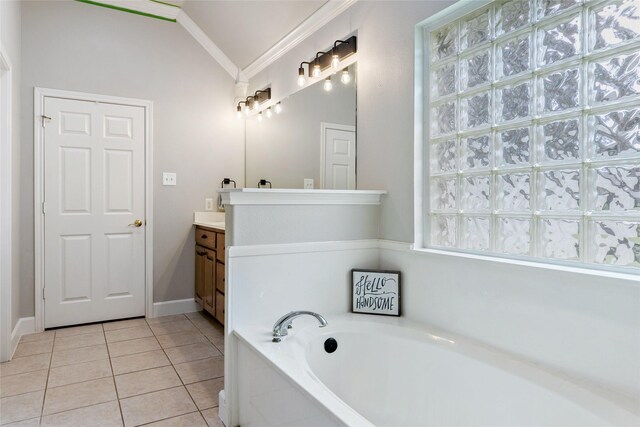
[283, 324]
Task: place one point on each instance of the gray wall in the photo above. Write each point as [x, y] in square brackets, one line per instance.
[385, 32]
[286, 148]
[79, 47]
[10, 28]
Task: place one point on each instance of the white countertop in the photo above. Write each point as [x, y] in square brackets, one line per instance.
[209, 219]
[295, 196]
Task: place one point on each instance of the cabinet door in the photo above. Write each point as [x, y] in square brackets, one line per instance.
[201, 253]
[220, 247]
[209, 281]
[220, 307]
[220, 277]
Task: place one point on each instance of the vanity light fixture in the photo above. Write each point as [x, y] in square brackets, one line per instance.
[261, 96]
[278, 108]
[327, 85]
[269, 113]
[345, 78]
[341, 49]
[301, 78]
[239, 109]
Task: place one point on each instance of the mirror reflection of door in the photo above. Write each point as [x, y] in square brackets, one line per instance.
[292, 146]
[338, 153]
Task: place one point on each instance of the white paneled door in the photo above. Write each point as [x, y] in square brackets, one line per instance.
[94, 260]
[339, 145]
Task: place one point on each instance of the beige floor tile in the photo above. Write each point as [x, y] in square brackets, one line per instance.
[30, 348]
[193, 419]
[187, 353]
[101, 415]
[195, 314]
[175, 340]
[78, 330]
[33, 422]
[23, 383]
[146, 381]
[21, 407]
[173, 327]
[164, 319]
[140, 345]
[77, 341]
[215, 337]
[123, 324]
[156, 406]
[21, 365]
[205, 393]
[212, 418]
[139, 361]
[201, 370]
[128, 334]
[40, 336]
[79, 355]
[73, 396]
[71, 374]
[202, 322]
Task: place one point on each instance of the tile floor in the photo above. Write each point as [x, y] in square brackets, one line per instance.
[165, 371]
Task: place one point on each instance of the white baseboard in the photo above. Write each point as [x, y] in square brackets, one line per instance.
[222, 408]
[178, 306]
[25, 325]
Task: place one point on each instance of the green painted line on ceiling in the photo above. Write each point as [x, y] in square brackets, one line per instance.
[124, 9]
[165, 3]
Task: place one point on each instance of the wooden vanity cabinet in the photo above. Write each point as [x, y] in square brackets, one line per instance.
[210, 283]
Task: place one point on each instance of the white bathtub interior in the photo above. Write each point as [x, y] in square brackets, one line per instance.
[392, 372]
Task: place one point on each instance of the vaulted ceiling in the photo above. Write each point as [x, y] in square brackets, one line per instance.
[244, 30]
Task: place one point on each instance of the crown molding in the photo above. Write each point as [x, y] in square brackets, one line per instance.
[148, 8]
[320, 17]
[201, 37]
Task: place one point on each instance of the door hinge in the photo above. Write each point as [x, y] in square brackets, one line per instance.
[44, 207]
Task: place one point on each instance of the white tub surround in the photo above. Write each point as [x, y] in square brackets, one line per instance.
[394, 372]
[209, 219]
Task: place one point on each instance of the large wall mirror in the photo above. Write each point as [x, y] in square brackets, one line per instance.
[313, 137]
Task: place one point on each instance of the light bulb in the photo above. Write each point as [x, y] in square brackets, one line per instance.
[255, 105]
[269, 113]
[278, 108]
[301, 81]
[260, 116]
[345, 77]
[239, 111]
[316, 70]
[247, 110]
[335, 62]
[327, 84]
[239, 114]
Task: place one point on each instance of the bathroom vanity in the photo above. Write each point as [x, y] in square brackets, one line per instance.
[210, 266]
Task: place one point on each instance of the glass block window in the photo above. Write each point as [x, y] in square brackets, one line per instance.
[533, 131]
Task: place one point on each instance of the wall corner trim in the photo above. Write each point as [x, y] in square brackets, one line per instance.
[201, 37]
[178, 306]
[24, 326]
[319, 18]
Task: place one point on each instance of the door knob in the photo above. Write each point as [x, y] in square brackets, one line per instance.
[136, 223]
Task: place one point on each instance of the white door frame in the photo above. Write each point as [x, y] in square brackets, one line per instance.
[6, 142]
[323, 143]
[38, 103]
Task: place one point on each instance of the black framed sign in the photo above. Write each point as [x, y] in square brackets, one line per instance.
[375, 292]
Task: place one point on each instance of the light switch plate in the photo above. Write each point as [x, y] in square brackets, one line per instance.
[168, 178]
[208, 204]
[308, 183]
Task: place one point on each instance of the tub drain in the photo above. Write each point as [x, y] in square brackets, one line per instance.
[330, 345]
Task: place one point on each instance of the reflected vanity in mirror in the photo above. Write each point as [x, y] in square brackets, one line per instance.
[314, 137]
